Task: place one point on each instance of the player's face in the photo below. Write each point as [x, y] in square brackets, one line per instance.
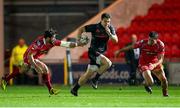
[105, 22]
[152, 41]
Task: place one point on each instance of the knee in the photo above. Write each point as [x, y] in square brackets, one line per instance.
[92, 68]
[108, 63]
[148, 78]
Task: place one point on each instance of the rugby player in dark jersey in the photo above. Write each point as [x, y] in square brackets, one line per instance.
[101, 33]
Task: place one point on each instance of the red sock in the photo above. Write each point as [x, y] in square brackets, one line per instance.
[47, 81]
[12, 75]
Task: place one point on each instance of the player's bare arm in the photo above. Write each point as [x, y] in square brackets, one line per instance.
[113, 37]
[160, 60]
[71, 44]
[123, 49]
[68, 44]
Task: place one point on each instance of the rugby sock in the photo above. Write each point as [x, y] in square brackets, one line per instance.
[165, 92]
[10, 76]
[76, 86]
[164, 88]
[46, 78]
[97, 76]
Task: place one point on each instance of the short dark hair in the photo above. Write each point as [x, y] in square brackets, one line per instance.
[105, 15]
[153, 34]
[49, 33]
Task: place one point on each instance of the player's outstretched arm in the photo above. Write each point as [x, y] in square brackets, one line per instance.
[160, 60]
[71, 44]
[123, 50]
[68, 44]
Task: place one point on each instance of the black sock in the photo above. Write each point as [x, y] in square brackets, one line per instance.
[76, 86]
[97, 76]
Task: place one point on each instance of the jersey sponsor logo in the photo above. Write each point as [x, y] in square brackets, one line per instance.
[101, 36]
[151, 53]
[148, 52]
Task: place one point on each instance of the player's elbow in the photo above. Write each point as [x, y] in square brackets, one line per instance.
[115, 40]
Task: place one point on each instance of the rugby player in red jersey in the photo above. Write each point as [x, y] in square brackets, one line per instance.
[151, 58]
[31, 58]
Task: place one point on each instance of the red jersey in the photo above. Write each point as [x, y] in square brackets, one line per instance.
[39, 47]
[149, 53]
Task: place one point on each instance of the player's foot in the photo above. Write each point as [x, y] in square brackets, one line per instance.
[165, 93]
[3, 83]
[74, 92]
[94, 83]
[54, 91]
[148, 89]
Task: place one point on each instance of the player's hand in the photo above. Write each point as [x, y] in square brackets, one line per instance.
[151, 66]
[72, 45]
[108, 31]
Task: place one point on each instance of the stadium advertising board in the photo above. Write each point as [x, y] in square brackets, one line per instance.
[174, 73]
[118, 73]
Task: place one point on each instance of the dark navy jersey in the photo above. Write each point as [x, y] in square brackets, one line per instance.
[99, 37]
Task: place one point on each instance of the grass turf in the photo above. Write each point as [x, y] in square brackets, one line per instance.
[104, 96]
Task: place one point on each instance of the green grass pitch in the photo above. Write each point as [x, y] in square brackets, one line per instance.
[104, 96]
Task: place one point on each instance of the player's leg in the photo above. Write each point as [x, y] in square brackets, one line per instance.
[24, 67]
[148, 81]
[43, 69]
[90, 71]
[148, 78]
[83, 79]
[132, 78]
[160, 74]
[104, 63]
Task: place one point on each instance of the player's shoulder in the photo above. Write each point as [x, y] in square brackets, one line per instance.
[161, 43]
[38, 41]
[40, 37]
[111, 27]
